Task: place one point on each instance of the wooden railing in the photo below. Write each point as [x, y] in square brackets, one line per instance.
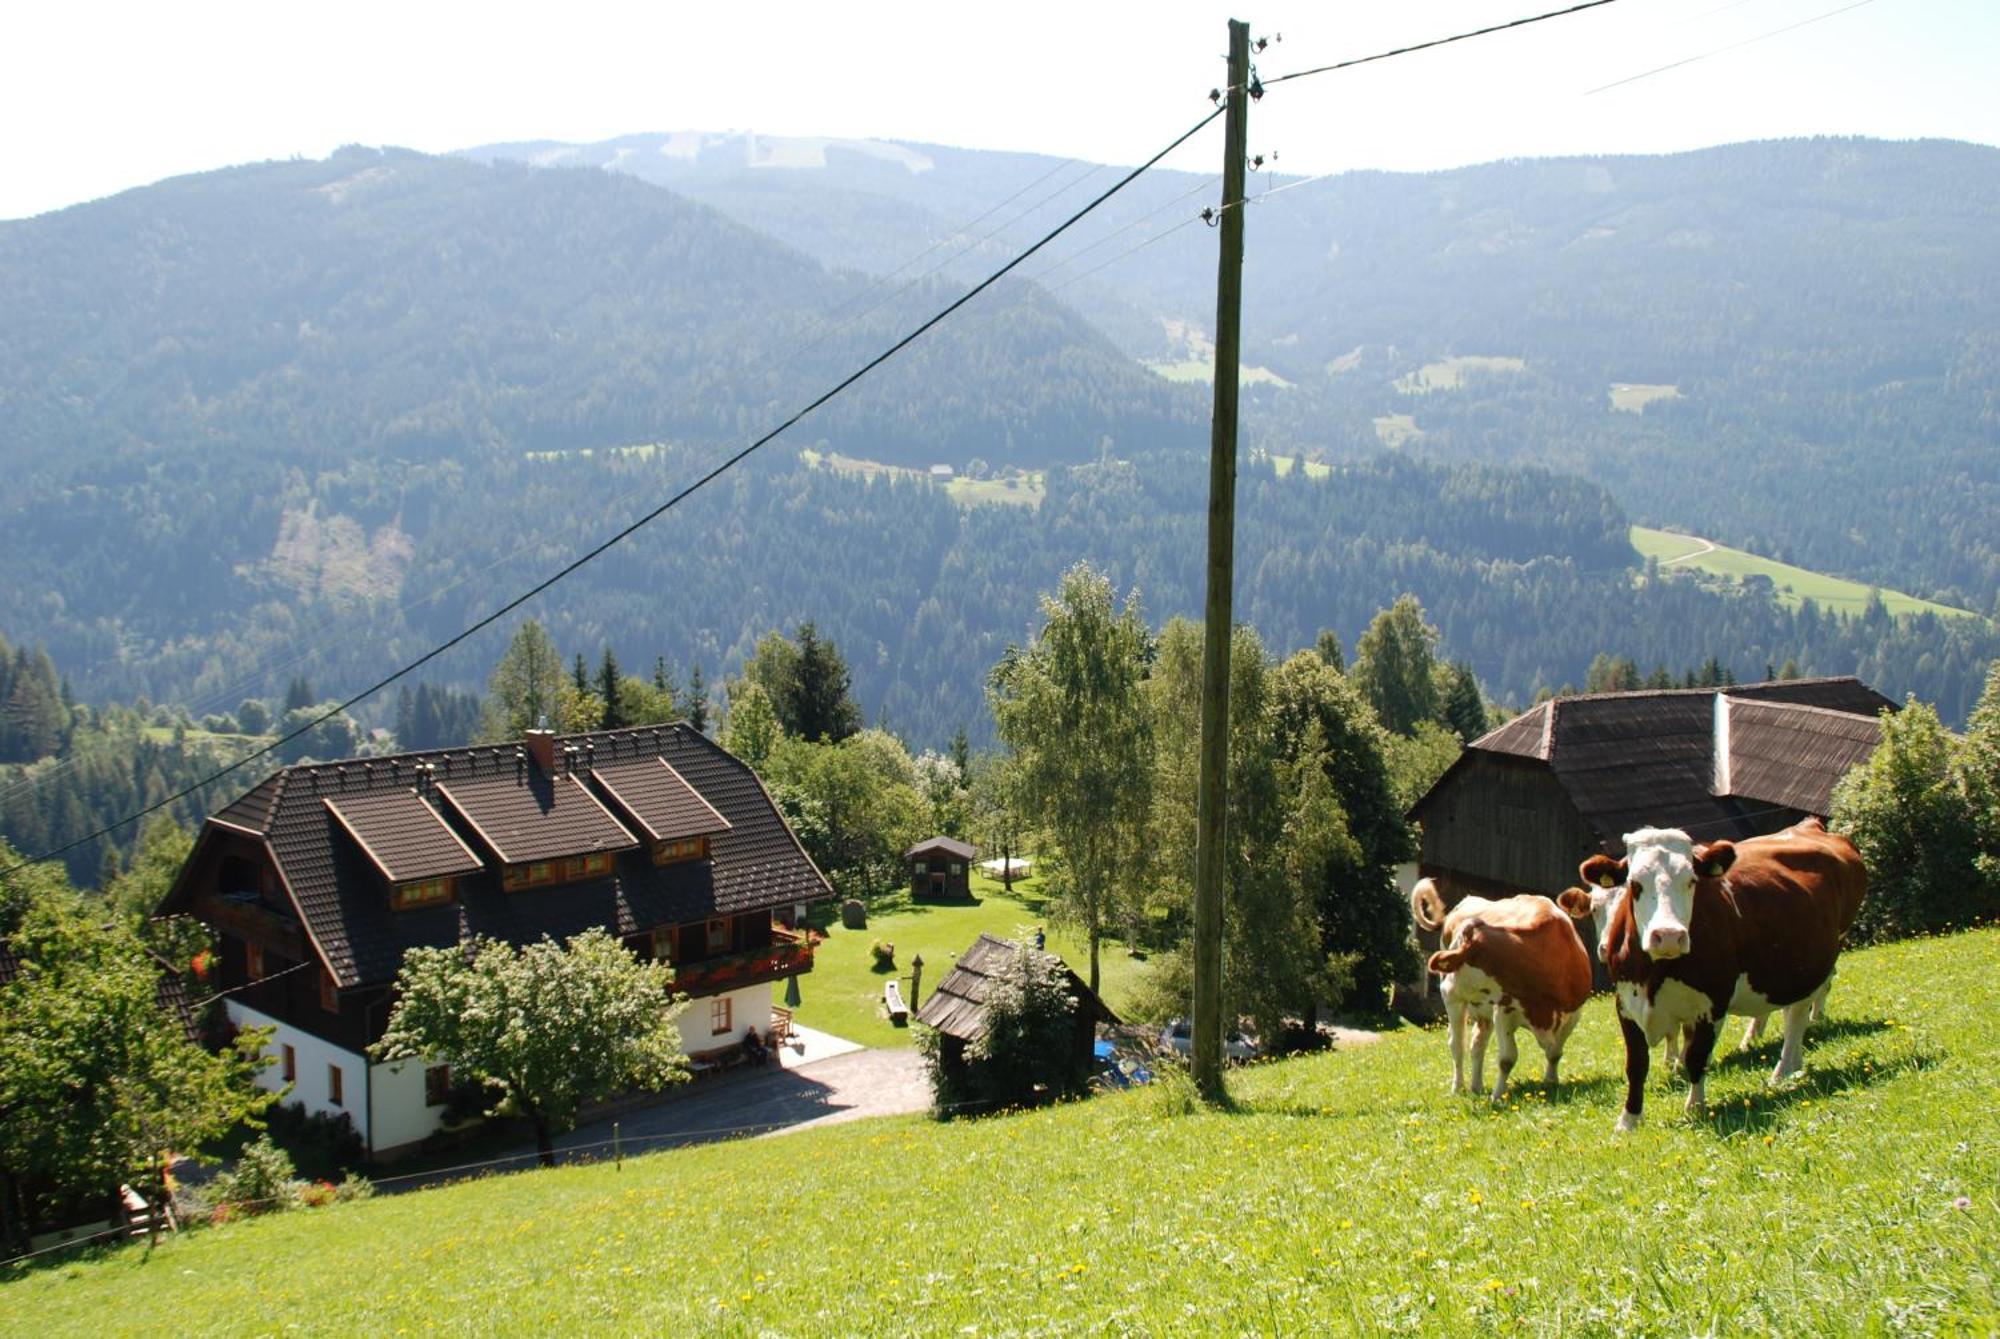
[786, 955]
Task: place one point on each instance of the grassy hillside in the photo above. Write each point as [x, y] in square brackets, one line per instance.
[1347, 1193]
[1794, 584]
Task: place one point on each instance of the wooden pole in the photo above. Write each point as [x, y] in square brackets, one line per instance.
[1212, 804]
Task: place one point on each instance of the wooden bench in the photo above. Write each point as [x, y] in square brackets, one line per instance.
[892, 997]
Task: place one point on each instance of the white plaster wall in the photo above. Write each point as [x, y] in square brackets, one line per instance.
[750, 1006]
[401, 1115]
[313, 1055]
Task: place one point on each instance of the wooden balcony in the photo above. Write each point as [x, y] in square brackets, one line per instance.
[784, 956]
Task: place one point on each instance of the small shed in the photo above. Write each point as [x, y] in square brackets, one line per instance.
[957, 1008]
[940, 867]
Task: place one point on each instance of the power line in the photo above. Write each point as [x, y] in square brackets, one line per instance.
[629, 530]
[1440, 41]
[1733, 46]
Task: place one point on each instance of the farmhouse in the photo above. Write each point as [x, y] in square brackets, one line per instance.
[319, 879]
[957, 1008]
[1526, 803]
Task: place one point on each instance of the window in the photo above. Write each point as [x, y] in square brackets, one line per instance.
[291, 1064]
[923, 867]
[684, 848]
[587, 866]
[957, 868]
[719, 1016]
[718, 936]
[437, 1085]
[333, 1085]
[329, 996]
[253, 961]
[664, 943]
[423, 893]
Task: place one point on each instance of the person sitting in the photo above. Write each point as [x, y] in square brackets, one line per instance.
[754, 1049]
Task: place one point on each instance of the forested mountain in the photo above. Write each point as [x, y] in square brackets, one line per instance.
[1822, 310]
[316, 416]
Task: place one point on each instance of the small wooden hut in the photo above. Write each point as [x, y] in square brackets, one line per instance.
[957, 1008]
[941, 867]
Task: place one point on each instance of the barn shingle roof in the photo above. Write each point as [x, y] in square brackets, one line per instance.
[524, 815]
[950, 846]
[1713, 762]
[754, 864]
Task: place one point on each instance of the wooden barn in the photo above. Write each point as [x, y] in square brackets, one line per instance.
[941, 867]
[957, 1008]
[1526, 803]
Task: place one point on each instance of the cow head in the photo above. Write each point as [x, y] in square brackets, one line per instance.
[1659, 872]
[1605, 880]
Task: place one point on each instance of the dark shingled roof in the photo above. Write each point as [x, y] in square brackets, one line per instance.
[656, 798]
[948, 845]
[1712, 762]
[1785, 754]
[957, 1007]
[757, 864]
[405, 837]
[525, 815]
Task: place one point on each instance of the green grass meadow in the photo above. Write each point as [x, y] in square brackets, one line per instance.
[1794, 584]
[1345, 1193]
[843, 992]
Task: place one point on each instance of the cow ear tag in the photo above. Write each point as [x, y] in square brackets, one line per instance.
[1607, 882]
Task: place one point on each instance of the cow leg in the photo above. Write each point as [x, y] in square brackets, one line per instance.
[1754, 1032]
[1482, 1028]
[1700, 1045]
[1670, 1052]
[1553, 1042]
[1454, 1013]
[1638, 1055]
[1504, 1021]
[1792, 1058]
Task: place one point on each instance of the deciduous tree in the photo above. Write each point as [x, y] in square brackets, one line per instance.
[1072, 708]
[554, 1026]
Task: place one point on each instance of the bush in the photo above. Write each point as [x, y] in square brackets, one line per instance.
[884, 953]
[1907, 812]
[260, 1181]
[354, 1186]
[317, 1194]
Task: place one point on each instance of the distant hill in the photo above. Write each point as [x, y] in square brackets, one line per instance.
[1785, 322]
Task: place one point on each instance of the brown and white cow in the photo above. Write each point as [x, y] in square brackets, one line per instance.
[1505, 963]
[1690, 932]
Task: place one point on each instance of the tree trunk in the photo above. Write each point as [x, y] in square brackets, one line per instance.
[1094, 936]
[544, 1146]
[15, 1228]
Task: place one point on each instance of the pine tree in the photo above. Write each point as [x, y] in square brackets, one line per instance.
[694, 707]
[607, 690]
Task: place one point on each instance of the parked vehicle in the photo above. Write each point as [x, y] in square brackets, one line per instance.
[1177, 1035]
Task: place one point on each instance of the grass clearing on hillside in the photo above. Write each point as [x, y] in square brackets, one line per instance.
[1023, 489]
[1393, 430]
[843, 992]
[1345, 1193]
[1450, 374]
[1794, 584]
[1632, 397]
[1315, 469]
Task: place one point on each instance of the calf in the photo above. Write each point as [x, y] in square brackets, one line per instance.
[1505, 963]
[1691, 932]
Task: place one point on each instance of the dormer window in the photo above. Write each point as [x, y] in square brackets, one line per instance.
[679, 850]
[537, 873]
[422, 893]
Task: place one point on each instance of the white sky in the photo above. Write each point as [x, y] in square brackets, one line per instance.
[96, 97]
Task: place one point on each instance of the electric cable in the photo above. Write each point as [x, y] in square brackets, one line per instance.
[1733, 46]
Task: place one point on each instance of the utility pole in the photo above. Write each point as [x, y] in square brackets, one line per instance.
[1212, 805]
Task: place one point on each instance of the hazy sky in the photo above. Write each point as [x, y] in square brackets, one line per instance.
[98, 97]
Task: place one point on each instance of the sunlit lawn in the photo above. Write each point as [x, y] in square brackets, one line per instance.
[1346, 1193]
[843, 992]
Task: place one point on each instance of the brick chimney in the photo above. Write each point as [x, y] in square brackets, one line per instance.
[541, 746]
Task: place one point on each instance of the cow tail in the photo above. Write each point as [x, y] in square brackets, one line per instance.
[1427, 906]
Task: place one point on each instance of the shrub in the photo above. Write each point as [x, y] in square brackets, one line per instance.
[1907, 812]
[322, 1145]
[260, 1181]
[317, 1194]
[354, 1186]
[884, 953]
